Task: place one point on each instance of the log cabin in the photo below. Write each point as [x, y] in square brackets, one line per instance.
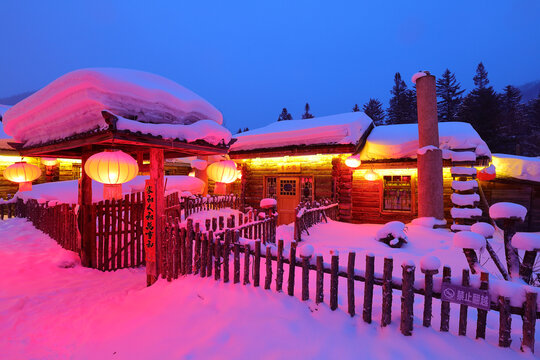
[299, 160]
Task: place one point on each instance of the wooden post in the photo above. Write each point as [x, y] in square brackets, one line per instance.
[368, 288]
[217, 259]
[407, 299]
[204, 255]
[445, 305]
[226, 252]
[350, 283]
[481, 317]
[87, 226]
[505, 322]
[305, 277]
[463, 308]
[257, 263]
[319, 295]
[268, 277]
[334, 268]
[292, 269]
[247, 255]
[279, 265]
[386, 318]
[236, 263]
[529, 322]
[428, 296]
[210, 256]
[157, 177]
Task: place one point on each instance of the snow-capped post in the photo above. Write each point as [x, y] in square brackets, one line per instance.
[510, 215]
[292, 268]
[350, 283]
[529, 321]
[505, 322]
[334, 269]
[306, 253]
[470, 242]
[530, 243]
[430, 169]
[407, 298]
[429, 265]
[268, 277]
[257, 263]
[319, 294]
[386, 318]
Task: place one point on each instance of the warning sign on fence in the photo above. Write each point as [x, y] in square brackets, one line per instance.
[465, 295]
[149, 221]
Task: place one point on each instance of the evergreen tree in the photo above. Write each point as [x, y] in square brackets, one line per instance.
[246, 129]
[510, 121]
[402, 109]
[373, 109]
[307, 114]
[239, 130]
[480, 108]
[448, 90]
[355, 108]
[284, 115]
[529, 144]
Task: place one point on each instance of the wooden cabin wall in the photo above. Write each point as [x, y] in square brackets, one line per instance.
[320, 168]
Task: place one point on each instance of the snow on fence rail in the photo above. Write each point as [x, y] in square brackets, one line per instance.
[177, 206]
[308, 214]
[187, 251]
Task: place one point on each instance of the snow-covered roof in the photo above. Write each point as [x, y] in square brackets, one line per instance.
[72, 104]
[345, 128]
[4, 138]
[519, 167]
[3, 109]
[401, 141]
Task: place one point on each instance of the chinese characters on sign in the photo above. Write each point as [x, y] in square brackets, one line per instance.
[149, 221]
[465, 295]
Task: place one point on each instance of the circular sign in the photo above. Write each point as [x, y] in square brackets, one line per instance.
[449, 293]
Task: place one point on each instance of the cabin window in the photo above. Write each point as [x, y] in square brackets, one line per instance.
[287, 187]
[397, 193]
[271, 187]
[306, 186]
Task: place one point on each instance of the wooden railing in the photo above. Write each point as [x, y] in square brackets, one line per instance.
[309, 214]
[177, 206]
[188, 252]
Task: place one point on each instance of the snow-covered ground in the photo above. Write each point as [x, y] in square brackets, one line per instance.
[51, 308]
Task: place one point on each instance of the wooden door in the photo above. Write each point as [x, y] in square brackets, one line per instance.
[288, 197]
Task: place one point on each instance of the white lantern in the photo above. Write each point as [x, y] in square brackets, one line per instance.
[371, 175]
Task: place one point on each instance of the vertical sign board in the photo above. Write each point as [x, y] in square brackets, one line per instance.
[149, 225]
[465, 296]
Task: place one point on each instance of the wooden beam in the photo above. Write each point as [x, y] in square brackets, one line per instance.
[87, 223]
[296, 150]
[157, 177]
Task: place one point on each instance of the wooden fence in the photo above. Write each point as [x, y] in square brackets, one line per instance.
[189, 252]
[7, 211]
[309, 214]
[177, 206]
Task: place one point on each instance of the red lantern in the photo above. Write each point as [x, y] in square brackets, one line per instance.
[222, 172]
[22, 173]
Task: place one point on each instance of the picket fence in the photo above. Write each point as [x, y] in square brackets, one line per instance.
[191, 251]
[309, 214]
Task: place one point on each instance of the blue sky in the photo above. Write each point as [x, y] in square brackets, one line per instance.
[251, 58]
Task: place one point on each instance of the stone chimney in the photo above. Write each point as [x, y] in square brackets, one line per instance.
[430, 175]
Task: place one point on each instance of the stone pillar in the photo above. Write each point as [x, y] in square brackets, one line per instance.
[430, 174]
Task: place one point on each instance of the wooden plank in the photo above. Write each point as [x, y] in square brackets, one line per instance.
[386, 318]
[257, 263]
[279, 266]
[350, 283]
[268, 277]
[334, 268]
[368, 288]
[292, 269]
[407, 300]
[481, 318]
[463, 308]
[445, 305]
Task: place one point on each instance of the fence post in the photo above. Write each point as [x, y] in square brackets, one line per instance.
[482, 314]
[268, 278]
[428, 295]
[217, 259]
[463, 308]
[334, 268]
[350, 283]
[247, 254]
[305, 277]
[204, 255]
[257, 263]
[529, 321]
[319, 295]
[210, 257]
[505, 322]
[407, 299]
[445, 305]
[368, 288]
[279, 265]
[236, 263]
[226, 252]
[386, 318]
[292, 269]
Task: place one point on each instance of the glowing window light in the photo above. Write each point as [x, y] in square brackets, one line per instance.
[49, 161]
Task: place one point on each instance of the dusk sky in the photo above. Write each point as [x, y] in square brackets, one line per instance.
[250, 59]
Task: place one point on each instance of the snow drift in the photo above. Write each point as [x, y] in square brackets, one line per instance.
[73, 103]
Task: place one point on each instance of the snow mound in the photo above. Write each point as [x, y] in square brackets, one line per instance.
[199, 164]
[458, 213]
[430, 262]
[268, 203]
[519, 167]
[469, 240]
[345, 128]
[417, 76]
[464, 185]
[464, 199]
[526, 241]
[428, 222]
[425, 149]
[484, 229]
[306, 250]
[72, 104]
[392, 234]
[505, 210]
[206, 130]
[460, 227]
[462, 171]
[463, 156]
[401, 141]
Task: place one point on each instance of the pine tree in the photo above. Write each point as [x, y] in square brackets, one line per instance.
[246, 129]
[448, 90]
[480, 108]
[284, 115]
[528, 141]
[355, 108]
[239, 130]
[307, 114]
[510, 120]
[373, 109]
[402, 109]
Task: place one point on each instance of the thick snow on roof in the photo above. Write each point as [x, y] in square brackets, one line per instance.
[401, 140]
[73, 103]
[519, 167]
[4, 138]
[345, 128]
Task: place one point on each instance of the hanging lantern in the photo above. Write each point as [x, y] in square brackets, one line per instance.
[222, 172]
[353, 161]
[371, 175]
[111, 168]
[22, 173]
[49, 167]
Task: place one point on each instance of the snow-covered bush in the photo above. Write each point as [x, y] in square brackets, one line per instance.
[392, 234]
